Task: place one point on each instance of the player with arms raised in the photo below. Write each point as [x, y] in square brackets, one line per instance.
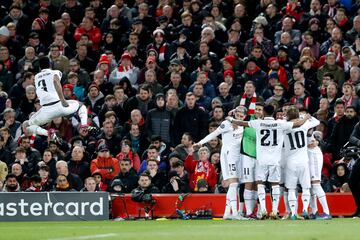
[54, 105]
[269, 142]
[229, 159]
[297, 162]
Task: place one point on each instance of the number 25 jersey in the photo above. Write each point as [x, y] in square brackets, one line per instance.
[269, 139]
[45, 88]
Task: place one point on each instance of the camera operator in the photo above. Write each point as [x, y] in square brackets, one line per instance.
[143, 192]
[354, 181]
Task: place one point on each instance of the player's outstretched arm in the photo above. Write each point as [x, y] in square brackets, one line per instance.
[300, 122]
[59, 91]
[238, 122]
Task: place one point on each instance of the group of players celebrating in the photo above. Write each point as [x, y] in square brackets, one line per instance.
[282, 152]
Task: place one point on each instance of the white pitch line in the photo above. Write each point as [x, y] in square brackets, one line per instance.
[86, 237]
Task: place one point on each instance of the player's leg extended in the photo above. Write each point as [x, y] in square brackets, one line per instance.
[76, 106]
[43, 116]
[292, 202]
[248, 178]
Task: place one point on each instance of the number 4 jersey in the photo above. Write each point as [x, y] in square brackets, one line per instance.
[269, 139]
[45, 88]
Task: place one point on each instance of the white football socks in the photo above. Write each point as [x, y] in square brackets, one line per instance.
[83, 115]
[261, 196]
[292, 201]
[232, 196]
[319, 192]
[275, 198]
[305, 197]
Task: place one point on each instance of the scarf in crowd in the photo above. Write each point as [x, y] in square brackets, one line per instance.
[282, 77]
[122, 68]
[251, 109]
[348, 102]
[162, 50]
[305, 101]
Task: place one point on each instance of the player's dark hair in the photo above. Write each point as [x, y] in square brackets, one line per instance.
[44, 62]
[269, 110]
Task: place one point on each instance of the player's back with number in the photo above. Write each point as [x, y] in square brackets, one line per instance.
[269, 139]
[45, 88]
[296, 142]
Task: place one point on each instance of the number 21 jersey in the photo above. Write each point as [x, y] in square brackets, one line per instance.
[45, 88]
[269, 139]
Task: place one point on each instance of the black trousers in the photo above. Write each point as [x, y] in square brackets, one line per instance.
[354, 183]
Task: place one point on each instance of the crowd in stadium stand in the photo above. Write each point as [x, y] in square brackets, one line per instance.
[157, 76]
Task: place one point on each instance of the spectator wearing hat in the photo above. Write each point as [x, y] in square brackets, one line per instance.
[4, 35]
[152, 64]
[161, 47]
[21, 20]
[107, 165]
[181, 55]
[259, 40]
[159, 121]
[330, 66]
[95, 98]
[253, 73]
[34, 42]
[125, 69]
[284, 58]
[283, 74]
[104, 65]
[76, 91]
[287, 25]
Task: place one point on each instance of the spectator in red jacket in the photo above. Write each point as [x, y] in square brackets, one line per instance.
[109, 167]
[201, 169]
[94, 33]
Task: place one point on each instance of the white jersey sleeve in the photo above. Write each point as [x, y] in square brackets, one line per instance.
[286, 125]
[311, 123]
[225, 126]
[254, 123]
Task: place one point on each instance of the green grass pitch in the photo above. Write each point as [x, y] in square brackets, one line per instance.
[336, 229]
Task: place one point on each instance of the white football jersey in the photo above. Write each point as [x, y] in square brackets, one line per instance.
[231, 138]
[296, 143]
[45, 88]
[269, 139]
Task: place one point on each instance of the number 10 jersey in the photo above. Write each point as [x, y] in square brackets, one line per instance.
[45, 88]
